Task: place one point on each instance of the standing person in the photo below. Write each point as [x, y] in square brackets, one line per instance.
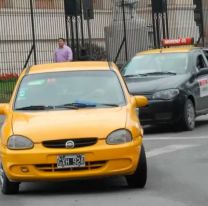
[63, 53]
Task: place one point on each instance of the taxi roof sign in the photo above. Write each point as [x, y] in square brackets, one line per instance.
[178, 42]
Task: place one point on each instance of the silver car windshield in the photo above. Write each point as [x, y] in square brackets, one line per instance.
[157, 63]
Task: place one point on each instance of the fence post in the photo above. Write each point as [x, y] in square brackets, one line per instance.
[167, 24]
[67, 31]
[33, 31]
[124, 25]
[154, 29]
[77, 37]
[202, 22]
[82, 26]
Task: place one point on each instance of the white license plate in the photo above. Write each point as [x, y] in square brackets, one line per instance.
[70, 161]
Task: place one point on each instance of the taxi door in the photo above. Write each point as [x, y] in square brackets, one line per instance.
[201, 65]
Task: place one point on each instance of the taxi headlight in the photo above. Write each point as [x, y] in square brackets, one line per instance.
[121, 136]
[166, 94]
[17, 142]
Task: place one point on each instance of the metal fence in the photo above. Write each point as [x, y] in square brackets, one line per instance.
[117, 29]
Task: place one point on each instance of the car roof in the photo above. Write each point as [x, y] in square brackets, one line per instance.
[169, 50]
[71, 66]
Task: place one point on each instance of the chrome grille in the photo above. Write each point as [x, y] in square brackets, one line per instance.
[84, 142]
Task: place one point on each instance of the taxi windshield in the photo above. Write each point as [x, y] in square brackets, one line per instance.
[70, 90]
[169, 63]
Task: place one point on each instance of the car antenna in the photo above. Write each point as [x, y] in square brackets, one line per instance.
[28, 70]
[110, 65]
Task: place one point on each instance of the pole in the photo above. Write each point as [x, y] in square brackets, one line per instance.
[67, 31]
[124, 25]
[77, 36]
[154, 29]
[153, 25]
[158, 30]
[82, 28]
[89, 36]
[28, 57]
[163, 26]
[72, 34]
[167, 24]
[33, 31]
[119, 51]
[202, 22]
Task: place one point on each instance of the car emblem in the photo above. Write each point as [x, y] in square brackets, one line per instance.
[70, 144]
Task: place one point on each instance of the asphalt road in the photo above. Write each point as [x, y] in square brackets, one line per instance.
[177, 176]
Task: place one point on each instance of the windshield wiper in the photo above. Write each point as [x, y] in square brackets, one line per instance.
[159, 73]
[108, 105]
[35, 107]
[134, 75]
[84, 105]
[75, 106]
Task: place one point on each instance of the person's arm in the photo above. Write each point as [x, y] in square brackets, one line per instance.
[70, 54]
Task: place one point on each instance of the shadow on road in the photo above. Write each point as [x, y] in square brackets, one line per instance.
[201, 123]
[158, 129]
[106, 185]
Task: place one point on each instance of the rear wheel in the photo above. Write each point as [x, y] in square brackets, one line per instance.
[139, 178]
[8, 187]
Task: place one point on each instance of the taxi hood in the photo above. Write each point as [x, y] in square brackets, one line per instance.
[83, 123]
[152, 84]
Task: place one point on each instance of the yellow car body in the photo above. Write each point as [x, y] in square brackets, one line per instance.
[40, 163]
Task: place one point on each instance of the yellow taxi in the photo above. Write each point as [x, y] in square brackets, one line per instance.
[71, 121]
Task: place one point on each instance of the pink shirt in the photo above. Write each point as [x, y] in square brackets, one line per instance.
[63, 54]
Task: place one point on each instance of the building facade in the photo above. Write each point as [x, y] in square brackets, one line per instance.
[49, 22]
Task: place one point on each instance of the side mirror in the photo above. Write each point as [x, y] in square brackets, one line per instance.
[4, 109]
[203, 71]
[141, 101]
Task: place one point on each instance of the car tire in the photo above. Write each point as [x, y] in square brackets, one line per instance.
[139, 178]
[8, 187]
[187, 122]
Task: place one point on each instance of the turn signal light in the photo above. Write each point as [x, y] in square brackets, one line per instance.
[24, 169]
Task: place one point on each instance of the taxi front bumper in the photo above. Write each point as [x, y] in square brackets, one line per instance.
[40, 163]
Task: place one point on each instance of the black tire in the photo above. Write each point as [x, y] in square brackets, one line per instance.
[8, 187]
[139, 178]
[187, 122]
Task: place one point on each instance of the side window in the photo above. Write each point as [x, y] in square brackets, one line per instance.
[200, 62]
[206, 54]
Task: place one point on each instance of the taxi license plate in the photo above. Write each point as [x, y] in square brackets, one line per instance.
[70, 161]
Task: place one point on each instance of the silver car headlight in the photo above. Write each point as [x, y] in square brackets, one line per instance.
[121, 136]
[17, 142]
[166, 94]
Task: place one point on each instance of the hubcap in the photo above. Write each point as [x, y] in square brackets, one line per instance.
[190, 115]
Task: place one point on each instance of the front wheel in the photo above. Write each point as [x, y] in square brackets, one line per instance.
[188, 119]
[8, 187]
[139, 178]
